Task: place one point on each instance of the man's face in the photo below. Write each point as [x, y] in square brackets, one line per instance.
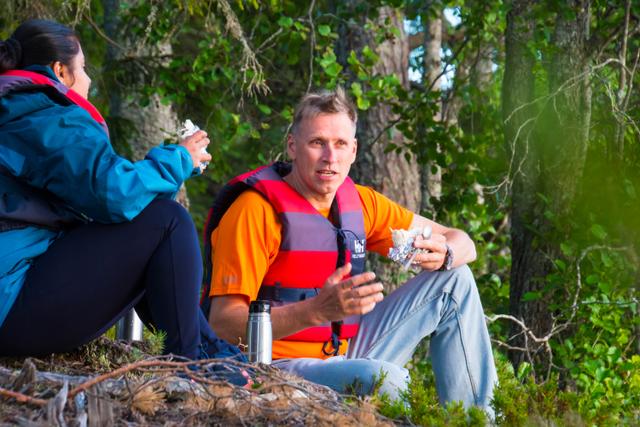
[322, 150]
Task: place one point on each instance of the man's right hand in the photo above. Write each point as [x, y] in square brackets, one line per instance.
[340, 297]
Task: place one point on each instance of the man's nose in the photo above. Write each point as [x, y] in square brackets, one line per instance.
[329, 153]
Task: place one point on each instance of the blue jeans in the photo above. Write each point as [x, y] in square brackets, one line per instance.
[443, 305]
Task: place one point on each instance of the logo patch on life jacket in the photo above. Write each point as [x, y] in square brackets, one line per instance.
[358, 248]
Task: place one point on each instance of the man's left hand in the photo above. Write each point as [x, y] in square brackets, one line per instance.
[434, 259]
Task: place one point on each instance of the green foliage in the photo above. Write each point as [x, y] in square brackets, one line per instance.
[420, 404]
[592, 253]
[518, 401]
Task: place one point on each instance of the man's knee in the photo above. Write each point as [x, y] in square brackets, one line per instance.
[464, 282]
[384, 377]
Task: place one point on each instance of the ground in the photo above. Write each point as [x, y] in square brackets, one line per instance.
[114, 383]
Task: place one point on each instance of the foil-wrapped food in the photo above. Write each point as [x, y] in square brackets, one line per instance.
[188, 129]
[403, 252]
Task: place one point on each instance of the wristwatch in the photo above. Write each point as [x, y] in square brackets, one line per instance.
[448, 259]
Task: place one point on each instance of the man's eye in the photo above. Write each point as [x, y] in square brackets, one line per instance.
[317, 142]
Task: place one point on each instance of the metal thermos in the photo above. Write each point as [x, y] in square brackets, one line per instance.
[129, 327]
[259, 332]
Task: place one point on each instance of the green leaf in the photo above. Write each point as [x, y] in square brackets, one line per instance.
[531, 296]
[353, 59]
[333, 69]
[566, 249]
[287, 113]
[324, 30]
[606, 259]
[562, 266]
[363, 103]
[605, 287]
[285, 22]
[523, 370]
[598, 231]
[369, 55]
[356, 89]
[328, 58]
[264, 109]
[629, 189]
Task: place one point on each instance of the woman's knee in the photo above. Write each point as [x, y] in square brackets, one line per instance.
[167, 208]
[166, 213]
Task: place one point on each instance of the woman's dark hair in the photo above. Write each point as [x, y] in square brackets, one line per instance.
[38, 42]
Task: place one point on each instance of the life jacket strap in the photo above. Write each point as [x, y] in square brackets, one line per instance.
[279, 294]
[336, 329]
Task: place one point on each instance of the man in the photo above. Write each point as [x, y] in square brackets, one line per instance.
[296, 235]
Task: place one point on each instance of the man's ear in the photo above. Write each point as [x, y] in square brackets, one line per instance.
[355, 150]
[291, 147]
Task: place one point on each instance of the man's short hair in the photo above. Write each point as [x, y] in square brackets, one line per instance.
[324, 102]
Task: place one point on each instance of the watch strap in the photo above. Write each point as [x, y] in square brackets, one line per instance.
[448, 259]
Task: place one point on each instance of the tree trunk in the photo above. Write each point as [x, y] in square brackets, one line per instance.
[390, 173]
[517, 92]
[136, 126]
[395, 175]
[547, 160]
[431, 177]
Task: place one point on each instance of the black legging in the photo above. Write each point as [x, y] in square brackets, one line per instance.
[95, 273]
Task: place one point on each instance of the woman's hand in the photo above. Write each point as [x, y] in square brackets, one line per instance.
[196, 144]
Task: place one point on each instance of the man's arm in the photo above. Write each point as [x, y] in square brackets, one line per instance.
[229, 314]
[337, 300]
[462, 247]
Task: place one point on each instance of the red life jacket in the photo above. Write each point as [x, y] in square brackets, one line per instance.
[311, 248]
[17, 80]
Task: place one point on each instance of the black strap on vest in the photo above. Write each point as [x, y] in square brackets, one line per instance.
[336, 327]
[279, 294]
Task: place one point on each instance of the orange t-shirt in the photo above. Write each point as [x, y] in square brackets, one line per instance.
[247, 241]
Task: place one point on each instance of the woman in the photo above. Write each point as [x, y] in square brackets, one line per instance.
[84, 233]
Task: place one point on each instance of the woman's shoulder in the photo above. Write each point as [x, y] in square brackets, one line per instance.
[19, 104]
[40, 113]
[37, 105]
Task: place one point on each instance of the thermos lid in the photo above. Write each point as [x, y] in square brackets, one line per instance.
[260, 306]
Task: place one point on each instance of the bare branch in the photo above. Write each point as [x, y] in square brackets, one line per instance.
[427, 89]
[543, 343]
[256, 83]
[312, 44]
[22, 398]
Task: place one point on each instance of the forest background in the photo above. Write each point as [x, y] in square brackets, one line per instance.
[514, 120]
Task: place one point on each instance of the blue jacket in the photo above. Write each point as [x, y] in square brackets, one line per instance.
[57, 146]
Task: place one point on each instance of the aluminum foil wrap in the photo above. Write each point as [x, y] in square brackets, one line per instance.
[188, 129]
[403, 251]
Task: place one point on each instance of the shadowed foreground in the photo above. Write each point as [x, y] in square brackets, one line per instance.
[111, 383]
